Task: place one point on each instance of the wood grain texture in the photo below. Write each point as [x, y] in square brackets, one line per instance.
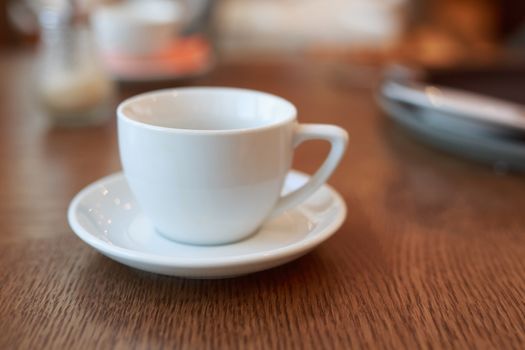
[432, 254]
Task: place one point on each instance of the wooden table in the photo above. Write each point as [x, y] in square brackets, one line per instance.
[432, 254]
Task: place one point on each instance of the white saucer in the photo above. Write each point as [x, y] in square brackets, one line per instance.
[105, 215]
[496, 150]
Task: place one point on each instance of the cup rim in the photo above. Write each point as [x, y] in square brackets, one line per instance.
[121, 115]
[105, 10]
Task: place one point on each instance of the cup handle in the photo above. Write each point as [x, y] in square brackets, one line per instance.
[338, 139]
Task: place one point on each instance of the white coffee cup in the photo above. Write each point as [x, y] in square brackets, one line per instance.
[136, 27]
[207, 165]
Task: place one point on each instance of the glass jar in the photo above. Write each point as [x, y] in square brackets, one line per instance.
[73, 87]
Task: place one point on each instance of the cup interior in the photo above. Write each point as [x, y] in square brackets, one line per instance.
[208, 109]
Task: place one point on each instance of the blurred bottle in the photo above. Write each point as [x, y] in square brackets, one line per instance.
[73, 87]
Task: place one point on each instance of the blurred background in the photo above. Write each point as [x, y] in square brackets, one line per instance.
[450, 71]
[433, 31]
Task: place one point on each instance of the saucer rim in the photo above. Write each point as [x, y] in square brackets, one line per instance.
[296, 248]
